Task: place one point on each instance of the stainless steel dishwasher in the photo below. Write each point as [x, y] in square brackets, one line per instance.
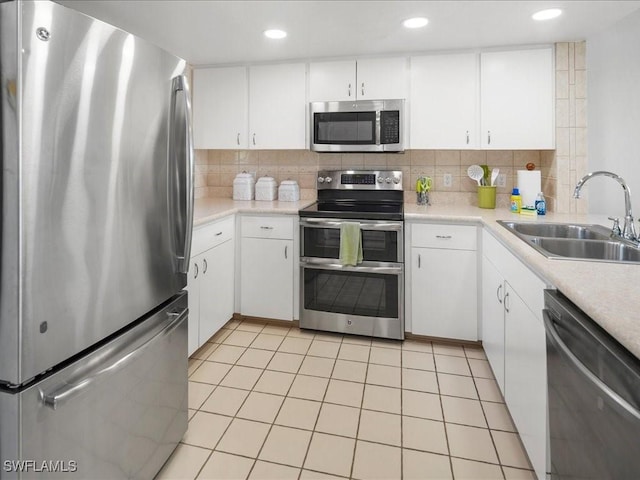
[594, 397]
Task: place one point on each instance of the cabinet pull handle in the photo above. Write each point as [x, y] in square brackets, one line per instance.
[285, 251]
[498, 291]
[444, 237]
[419, 261]
[349, 90]
[362, 89]
[467, 137]
[488, 137]
[254, 138]
[204, 266]
[266, 228]
[238, 139]
[506, 305]
[218, 234]
[195, 267]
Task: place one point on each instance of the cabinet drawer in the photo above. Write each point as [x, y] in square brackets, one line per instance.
[455, 237]
[212, 234]
[280, 227]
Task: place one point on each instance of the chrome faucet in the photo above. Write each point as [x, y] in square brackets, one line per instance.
[629, 229]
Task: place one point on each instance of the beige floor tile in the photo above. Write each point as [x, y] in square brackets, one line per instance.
[232, 324]
[184, 463]
[420, 380]
[223, 466]
[262, 407]
[383, 399]
[205, 429]
[498, 416]
[475, 352]
[420, 404]
[300, 333]
[225, 401]
[244, 437]
[349, 371]
[385, 356]
[267, 341]
[380, 427]
[457, 386]
[210, 372]
[470, 470]
[320, 348]
[518, 474]
[309, 475]
[356, 353]
[418, 360]
[471, 443]
[286, 445]
[344, 393]
[317, 366]
[454, 350]
[463, 410]
[510, 450]
[271, 471]
[488, 390]
[274, 382]
[191, 413]
[292, 344]
[386, 343]
[309, 388]
[198, 393]
[357, 340]
[450, 364]
[338, 420]
[425, 466]
[417, 346]
[242, 377]
[298, 413]
[226, 354]
[384, 375]
[194, 363]
[204, 351]
[285, 362]
[240, 338]
[374, 461]
[330, 454]
[220, 335]
[481, 368]
[250, 326]
[255, 358]
[425, 435]
[329, 337]
[276, 330]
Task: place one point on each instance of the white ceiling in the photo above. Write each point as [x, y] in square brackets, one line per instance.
[227, 32]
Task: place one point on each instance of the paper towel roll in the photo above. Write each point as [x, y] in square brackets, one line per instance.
[529, 184]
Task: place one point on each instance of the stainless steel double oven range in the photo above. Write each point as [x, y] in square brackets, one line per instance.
[366, 299]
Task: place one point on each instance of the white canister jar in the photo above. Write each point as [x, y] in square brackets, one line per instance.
[266, 189]
[243, 186]
[289, 191]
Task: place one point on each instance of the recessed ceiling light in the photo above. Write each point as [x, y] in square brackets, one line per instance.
[547, 14]
[415, 22]
[275, 34]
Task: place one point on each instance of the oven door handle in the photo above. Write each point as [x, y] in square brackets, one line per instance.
[324, 223]
[391, 270]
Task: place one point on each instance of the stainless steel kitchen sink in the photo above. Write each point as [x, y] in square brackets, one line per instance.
[575, 242]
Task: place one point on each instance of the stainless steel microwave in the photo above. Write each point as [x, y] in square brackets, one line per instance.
[357, 126]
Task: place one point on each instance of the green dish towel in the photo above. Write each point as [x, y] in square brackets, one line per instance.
[350, 244]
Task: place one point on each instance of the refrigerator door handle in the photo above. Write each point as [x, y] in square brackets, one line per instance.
[180, 83]
[61, 394]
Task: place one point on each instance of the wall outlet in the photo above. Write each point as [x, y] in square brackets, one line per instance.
[501, 181]
[448, 180]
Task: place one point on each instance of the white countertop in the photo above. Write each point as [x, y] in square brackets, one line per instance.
[604, 291]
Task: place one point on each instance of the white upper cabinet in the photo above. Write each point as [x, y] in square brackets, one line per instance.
[444, 101]
[370, 79]
[277, 107]
[220, 108]
[517, 99]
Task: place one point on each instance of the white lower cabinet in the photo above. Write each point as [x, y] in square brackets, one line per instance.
[513, 337]
[444, 283]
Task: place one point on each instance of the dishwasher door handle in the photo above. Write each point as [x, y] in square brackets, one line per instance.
[554, 337]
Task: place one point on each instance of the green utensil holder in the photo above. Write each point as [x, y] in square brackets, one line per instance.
[487, 197]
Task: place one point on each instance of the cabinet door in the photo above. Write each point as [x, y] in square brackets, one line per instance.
[266, 278]
[381, 78]
[332, 81]
[193, 287]
[444, 293]
[444, 101]
[517, 99]
[493, 319]
[220, 108]
[216, 289]
[277, 92]
[526, 376]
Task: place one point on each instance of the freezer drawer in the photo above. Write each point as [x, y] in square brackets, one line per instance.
[116, 413]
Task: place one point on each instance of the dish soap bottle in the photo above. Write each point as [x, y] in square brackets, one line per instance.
[541, 204]
[516, 200]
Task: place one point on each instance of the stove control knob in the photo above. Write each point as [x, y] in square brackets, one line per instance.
[380, 179]
[320, 179]
[328, 179]
[396, 180]
[388, 180]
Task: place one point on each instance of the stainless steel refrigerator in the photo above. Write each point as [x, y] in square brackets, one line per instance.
[97, 200]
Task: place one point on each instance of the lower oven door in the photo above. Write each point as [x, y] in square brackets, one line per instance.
[363, 300]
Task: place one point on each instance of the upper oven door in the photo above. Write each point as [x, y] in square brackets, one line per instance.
[381, 240]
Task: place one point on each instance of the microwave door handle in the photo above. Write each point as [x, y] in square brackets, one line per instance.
[378, 114]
